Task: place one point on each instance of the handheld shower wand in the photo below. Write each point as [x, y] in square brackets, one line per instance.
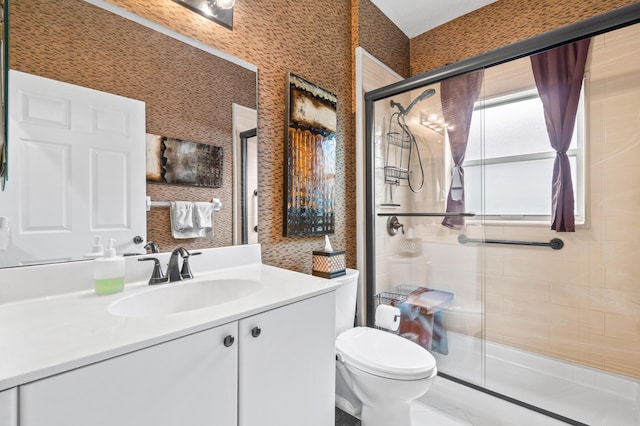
[424, 95]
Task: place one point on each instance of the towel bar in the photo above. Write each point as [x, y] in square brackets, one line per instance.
[217, 205]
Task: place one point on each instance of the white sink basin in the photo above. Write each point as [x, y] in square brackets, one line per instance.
[172, 298]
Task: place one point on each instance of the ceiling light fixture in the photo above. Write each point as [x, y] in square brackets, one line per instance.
[220, 11]
[435, 122]
[224, 4]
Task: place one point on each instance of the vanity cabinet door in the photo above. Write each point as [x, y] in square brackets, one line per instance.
[9, 407]
[287, 365]
[188, 381]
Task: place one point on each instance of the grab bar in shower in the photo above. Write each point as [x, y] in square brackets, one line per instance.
[555, 243]
[428, 214]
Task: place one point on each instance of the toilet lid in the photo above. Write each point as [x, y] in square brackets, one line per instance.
[385, 354]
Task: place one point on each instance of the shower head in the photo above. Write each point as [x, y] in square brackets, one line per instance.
[424, 95]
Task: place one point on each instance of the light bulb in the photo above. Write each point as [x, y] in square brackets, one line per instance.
[225, 4]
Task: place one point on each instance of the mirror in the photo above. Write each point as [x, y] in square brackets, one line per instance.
[191, 92]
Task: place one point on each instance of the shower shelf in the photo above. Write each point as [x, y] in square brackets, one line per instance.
[399, 139]
[396, 172]
[469, 214]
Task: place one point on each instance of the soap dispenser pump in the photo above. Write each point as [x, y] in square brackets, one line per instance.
[96, 249]
[108, 271]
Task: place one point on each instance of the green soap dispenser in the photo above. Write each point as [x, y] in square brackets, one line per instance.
[108, 271]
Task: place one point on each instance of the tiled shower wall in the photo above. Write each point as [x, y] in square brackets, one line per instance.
[581, 303]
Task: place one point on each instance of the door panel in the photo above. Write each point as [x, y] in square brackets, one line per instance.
[76, 164]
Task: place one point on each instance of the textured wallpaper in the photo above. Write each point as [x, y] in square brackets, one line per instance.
[499, 24]
[313, 40]
[381, 37]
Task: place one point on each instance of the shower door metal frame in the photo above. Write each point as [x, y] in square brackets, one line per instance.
[618, 18]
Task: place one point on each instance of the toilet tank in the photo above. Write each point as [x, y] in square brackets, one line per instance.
[346, 296]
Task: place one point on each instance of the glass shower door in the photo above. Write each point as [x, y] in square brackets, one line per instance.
[420, 264]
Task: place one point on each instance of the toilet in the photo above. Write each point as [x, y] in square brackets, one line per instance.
[378, 374]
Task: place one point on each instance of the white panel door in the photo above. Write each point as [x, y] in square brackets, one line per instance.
[287, 365]
[9, 407]
[76, 170]
[191, 381]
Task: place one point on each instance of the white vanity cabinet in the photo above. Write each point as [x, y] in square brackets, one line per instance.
[9, 407]
[287, 365]
[187, 381]
[278, 370]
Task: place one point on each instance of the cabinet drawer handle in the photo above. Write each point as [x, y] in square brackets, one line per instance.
[228, 340]
[255, 331]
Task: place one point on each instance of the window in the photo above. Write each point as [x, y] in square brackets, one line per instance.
[509, 161]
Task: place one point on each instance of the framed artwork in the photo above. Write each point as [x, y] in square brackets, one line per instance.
[210, 10]
[179, 162]
[310, 159]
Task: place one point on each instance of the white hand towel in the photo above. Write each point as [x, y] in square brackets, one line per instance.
[182, 219]
[203, 218]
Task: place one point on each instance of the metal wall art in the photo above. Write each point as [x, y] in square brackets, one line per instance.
[179, 162]
[211, 9]
[310, 168]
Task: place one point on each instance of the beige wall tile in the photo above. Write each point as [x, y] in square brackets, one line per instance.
[621, 326]
[515, 330]
[577, 296]
[574, 343]
[621, 356]
[625, 302]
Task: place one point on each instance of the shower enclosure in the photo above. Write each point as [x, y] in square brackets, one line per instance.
[464, 181]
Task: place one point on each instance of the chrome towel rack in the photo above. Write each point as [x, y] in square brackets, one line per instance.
[555, 244]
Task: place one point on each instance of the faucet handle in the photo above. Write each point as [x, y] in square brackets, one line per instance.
[185, 271]
[151, 245]
[157, 277]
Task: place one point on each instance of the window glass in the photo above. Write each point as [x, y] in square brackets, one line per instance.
[509, 153]
[506, 194]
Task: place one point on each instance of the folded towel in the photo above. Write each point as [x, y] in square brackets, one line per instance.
[181, 215]
[203, 219]
[191, 220]
[182, 219]
[203, 215]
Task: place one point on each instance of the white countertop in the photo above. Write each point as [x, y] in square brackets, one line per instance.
[47, 335]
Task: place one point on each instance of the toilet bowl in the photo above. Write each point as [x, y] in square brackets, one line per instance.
[378, 374]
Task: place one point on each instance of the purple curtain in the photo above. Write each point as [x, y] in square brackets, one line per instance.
[458, 94]
[558, 74]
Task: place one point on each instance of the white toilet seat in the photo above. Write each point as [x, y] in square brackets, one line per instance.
[384, 354]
